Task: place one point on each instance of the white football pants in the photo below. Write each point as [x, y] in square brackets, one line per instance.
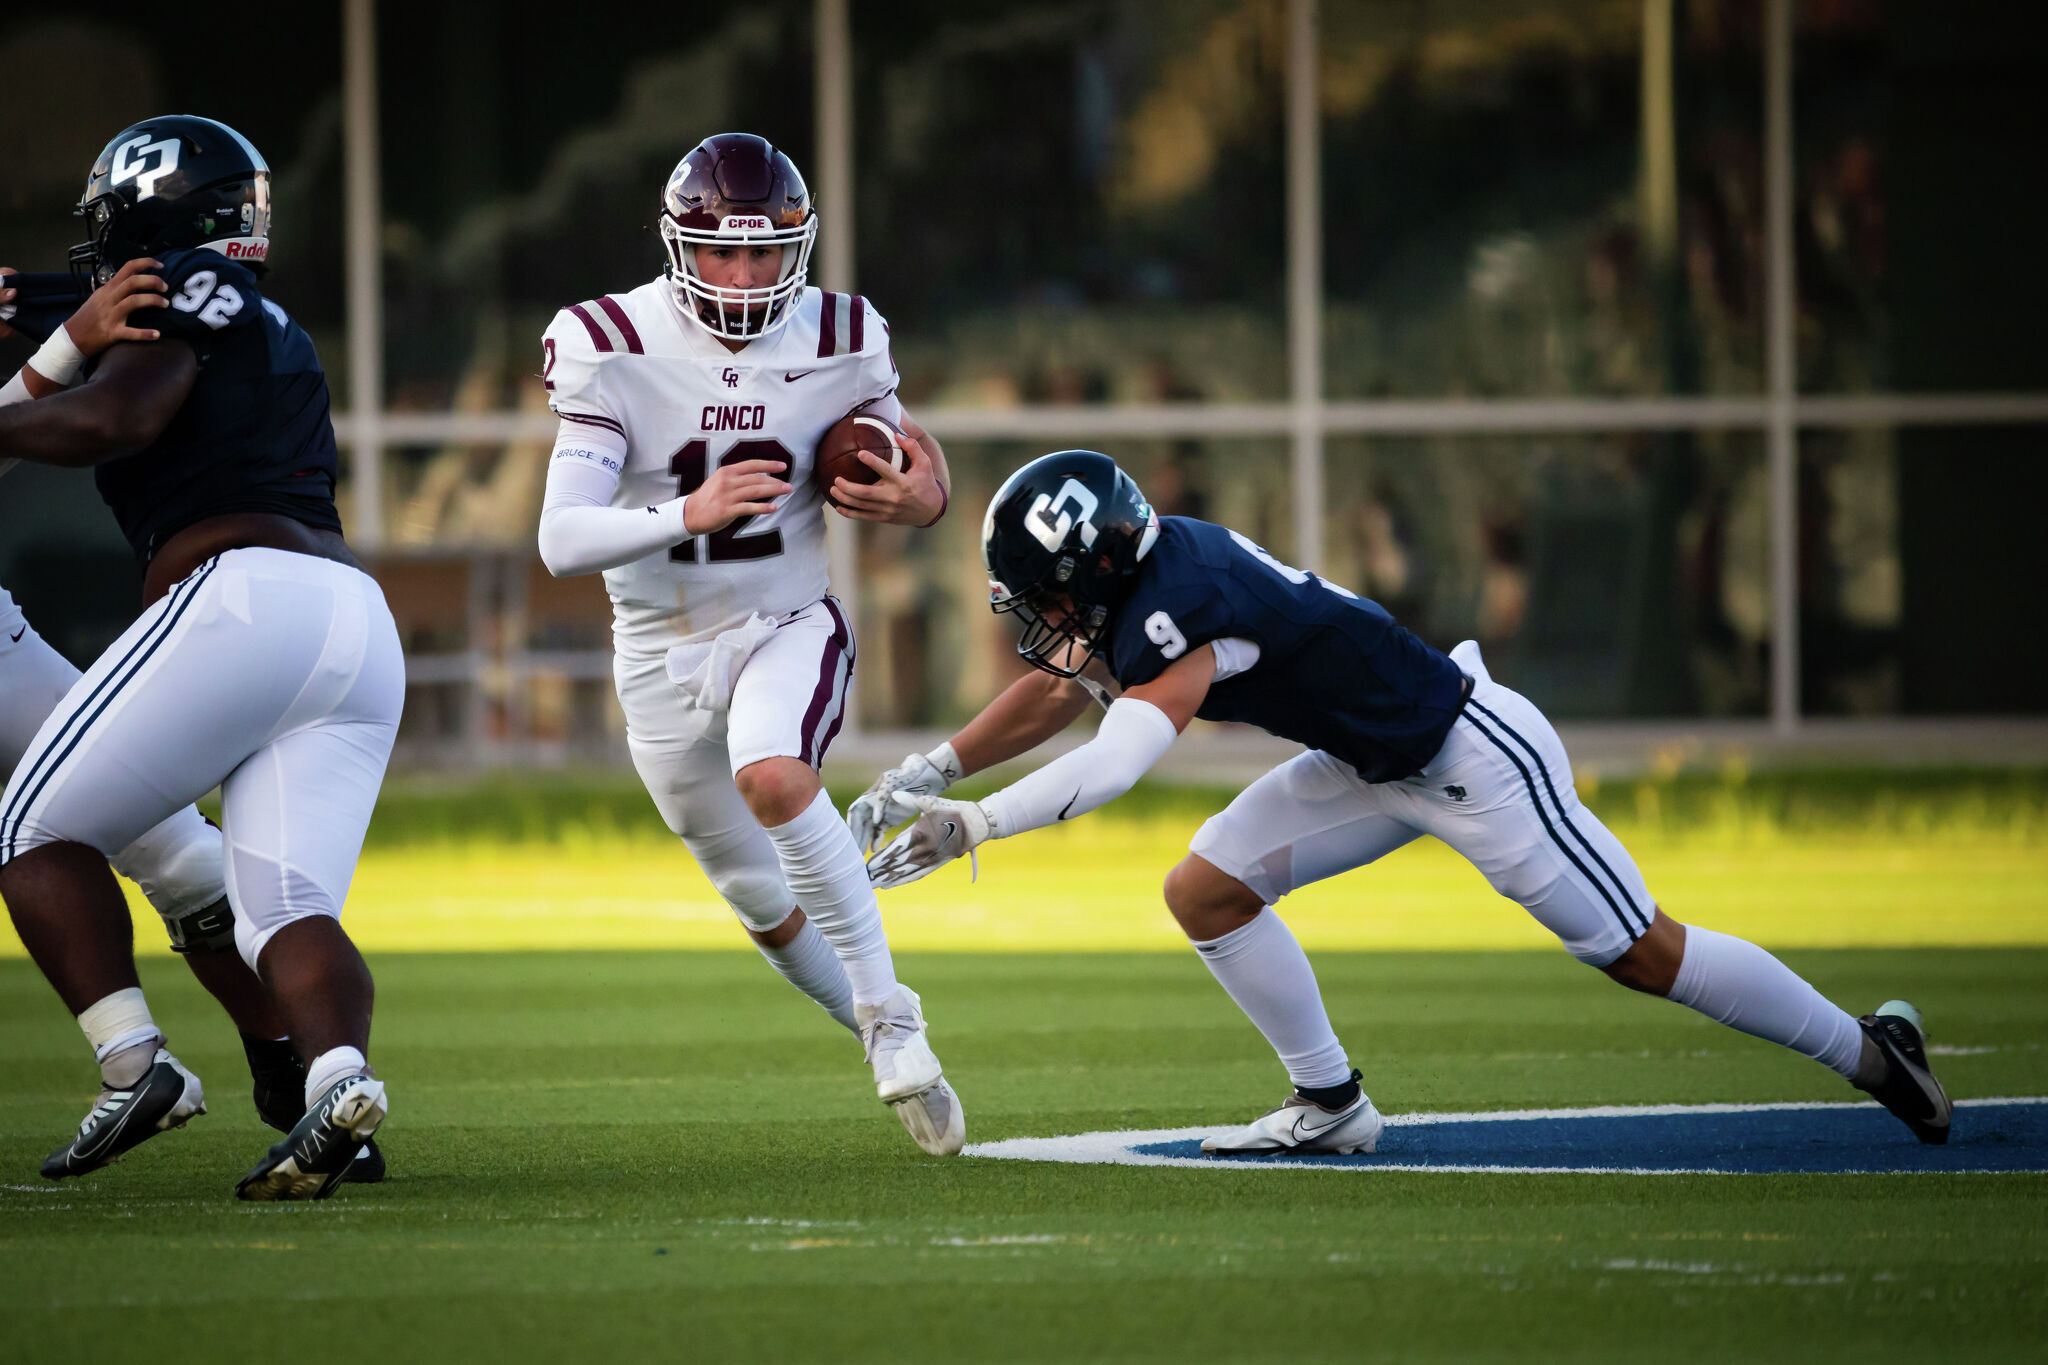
[1499, 792]
[177, 864]
[788, 703]
[274, 676]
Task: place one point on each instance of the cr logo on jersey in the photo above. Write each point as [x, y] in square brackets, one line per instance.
[731, 377]
[1049, 522]
[145, 162]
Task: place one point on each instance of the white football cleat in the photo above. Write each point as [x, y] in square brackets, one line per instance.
[934, 1118]
[908, 1077]
[1301, 1127]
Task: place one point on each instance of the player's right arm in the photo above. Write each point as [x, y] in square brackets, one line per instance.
[131, 398]
[580, 530]
[101, 321]
[1023, 716]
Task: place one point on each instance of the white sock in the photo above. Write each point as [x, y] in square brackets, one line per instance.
[808, 963]
[329, 1067]
[117, 1024]
[1266, 973]
[1734, 982]
[822, 865]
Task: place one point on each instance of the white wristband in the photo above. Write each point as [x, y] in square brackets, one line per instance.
[60, 360]
[947, 762]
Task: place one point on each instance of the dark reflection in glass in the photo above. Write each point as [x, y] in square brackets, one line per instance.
[1972, 560]
[1920, 218]
[1077, 202]
[73, 82]
[523, 175]
[1510, 208]
[1603, 575]
[1850, 574]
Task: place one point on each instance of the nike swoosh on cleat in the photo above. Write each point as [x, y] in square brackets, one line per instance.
[791, 378]
[108, 1133]
[1303, 1133]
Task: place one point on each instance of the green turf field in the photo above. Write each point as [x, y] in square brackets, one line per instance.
[668, 1153]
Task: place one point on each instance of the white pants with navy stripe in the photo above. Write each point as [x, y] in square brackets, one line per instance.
[177, 864]
[1499, 792]
[276, 677]
[788, 702]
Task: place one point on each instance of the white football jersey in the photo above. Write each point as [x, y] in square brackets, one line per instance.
[633, 364]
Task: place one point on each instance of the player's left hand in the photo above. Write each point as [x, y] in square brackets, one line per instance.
[105, 318]
[910, 498]
[887, 802]
[943, 830]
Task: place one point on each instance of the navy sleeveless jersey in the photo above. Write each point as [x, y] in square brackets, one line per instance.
[254, 435]
[1334, 672]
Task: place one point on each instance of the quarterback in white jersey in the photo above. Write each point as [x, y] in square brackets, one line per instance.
[690, 411]
[655, 404]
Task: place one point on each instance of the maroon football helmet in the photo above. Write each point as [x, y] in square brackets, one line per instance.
[737, 189]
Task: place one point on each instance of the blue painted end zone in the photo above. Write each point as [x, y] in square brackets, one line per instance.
[1989, 1136]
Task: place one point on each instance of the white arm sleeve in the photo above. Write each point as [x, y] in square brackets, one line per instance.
[580, 531]
[1134, 734]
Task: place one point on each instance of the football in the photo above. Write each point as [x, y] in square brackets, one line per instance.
[839, 452]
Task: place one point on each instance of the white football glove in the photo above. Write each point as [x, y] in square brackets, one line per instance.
[942, 832]
[886, 805]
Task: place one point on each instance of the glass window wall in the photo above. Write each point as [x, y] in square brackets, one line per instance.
[1603, 575]
[1518, 201]
[1075, 202]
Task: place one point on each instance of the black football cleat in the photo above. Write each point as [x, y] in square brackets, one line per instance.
[280, 1095]
[280, 1081]
[367, 1168]
[1909, 1089]
[121, 1120]
[317, 1153]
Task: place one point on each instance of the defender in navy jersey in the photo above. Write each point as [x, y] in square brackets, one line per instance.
[1190, 619]
[265, 661]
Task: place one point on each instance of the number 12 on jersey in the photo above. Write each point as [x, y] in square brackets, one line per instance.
[691, 467]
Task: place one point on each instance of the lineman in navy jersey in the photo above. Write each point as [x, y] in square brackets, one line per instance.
[177, 865]
[1195, 620]
[265, 661]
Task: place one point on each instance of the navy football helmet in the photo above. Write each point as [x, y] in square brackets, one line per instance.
[170, 183]
[1062, 541]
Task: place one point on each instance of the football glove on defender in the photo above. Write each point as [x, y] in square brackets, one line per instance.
[886, 804]
[942, 832]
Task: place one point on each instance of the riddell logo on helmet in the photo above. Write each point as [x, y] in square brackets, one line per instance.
[739, 222]
[256, 249]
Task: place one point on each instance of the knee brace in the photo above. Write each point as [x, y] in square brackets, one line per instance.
[209, 929]
[177, 864]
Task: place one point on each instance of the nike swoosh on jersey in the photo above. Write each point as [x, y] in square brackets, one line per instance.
[16, 637]
[791, 378]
